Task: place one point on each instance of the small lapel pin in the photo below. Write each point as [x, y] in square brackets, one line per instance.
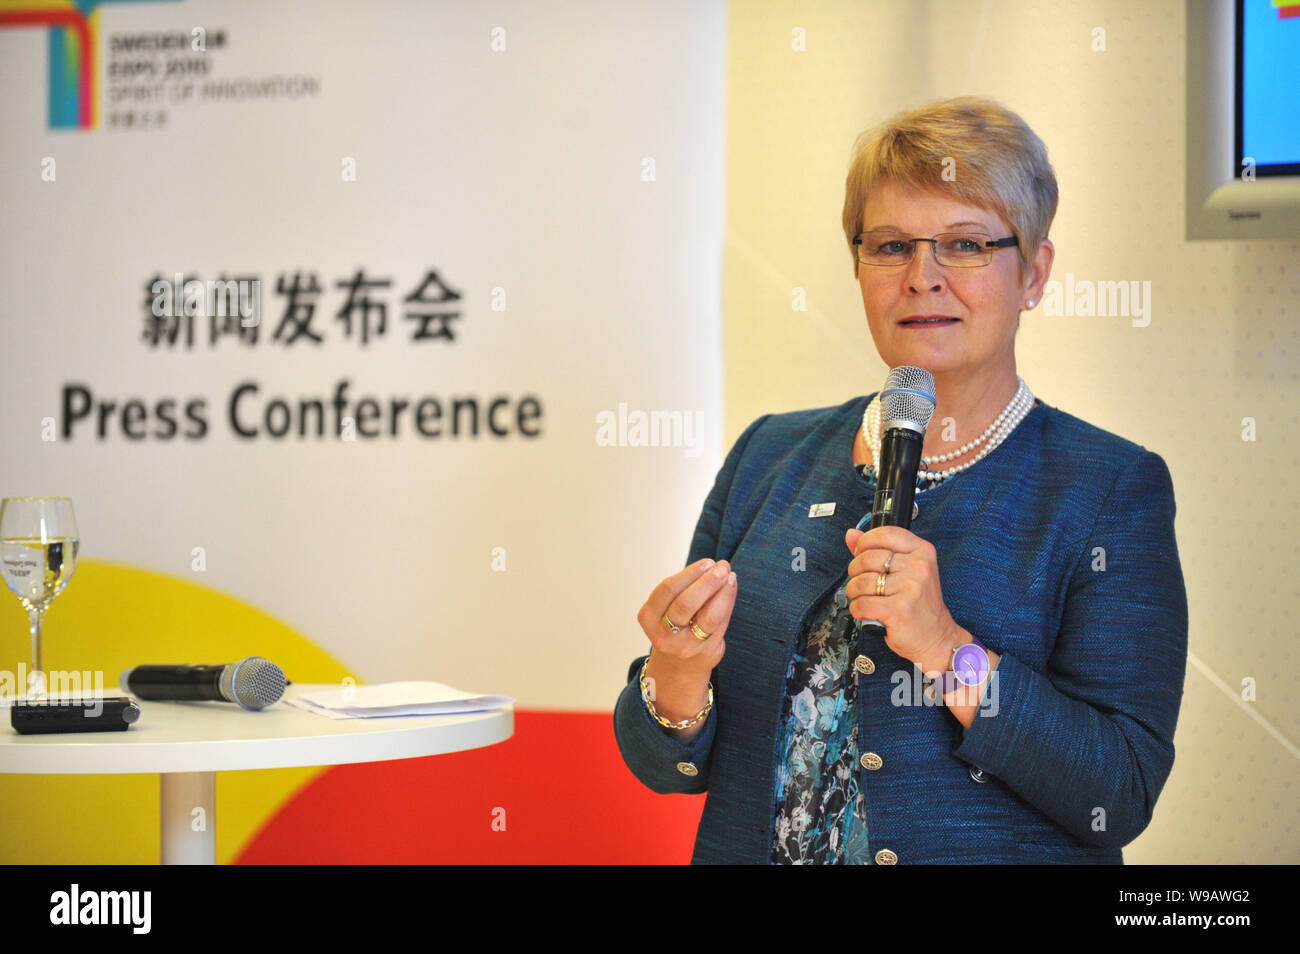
[821, 509]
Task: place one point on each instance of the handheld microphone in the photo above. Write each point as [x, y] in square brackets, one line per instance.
[253, 683]
[907, 403]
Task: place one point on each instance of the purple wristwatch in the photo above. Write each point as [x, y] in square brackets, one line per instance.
[970, 667]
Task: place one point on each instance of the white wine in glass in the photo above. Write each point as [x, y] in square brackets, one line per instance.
[38, 555]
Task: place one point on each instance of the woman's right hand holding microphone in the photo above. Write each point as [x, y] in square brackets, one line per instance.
[681, 662]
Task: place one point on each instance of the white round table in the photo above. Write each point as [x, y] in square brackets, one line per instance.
[187, 743]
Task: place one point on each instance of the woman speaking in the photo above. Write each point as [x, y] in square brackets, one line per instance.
[1019, 704]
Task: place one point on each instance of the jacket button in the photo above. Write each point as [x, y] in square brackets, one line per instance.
[977, 774]
[871, 761]
[687, 768]
[886, 857]
[864, 665]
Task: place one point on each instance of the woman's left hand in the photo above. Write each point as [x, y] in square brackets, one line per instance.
[916, 619]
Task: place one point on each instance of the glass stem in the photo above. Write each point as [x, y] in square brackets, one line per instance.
[36, 678]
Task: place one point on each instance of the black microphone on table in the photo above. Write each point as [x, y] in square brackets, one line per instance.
[907, 403]
[253, 683]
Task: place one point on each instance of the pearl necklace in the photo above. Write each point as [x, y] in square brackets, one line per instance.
[1021, 403]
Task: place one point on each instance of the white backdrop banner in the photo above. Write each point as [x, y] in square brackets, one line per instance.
[404, 317]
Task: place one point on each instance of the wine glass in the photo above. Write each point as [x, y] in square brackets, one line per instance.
[38, 554]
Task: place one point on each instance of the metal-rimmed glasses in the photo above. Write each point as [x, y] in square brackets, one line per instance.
[953, 249]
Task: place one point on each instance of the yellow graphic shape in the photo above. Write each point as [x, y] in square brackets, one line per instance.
[112, 617]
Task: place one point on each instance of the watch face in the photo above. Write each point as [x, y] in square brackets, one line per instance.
[970, 664]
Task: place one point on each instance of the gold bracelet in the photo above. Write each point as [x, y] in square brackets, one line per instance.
[666, 723]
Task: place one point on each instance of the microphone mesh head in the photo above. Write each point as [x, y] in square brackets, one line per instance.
[258, 682]
[907, 399]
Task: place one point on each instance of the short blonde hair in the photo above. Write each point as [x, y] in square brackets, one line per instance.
[996, 163]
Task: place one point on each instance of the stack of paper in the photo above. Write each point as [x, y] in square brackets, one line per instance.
[394, 699]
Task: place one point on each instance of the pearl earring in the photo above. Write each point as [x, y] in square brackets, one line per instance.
[1030, 304]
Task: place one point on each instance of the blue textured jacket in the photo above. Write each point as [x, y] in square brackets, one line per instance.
[1057, 550]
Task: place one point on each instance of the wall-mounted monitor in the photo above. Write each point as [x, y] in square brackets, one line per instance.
[1243, 119]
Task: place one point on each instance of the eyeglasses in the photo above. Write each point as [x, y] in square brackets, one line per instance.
[954, 249]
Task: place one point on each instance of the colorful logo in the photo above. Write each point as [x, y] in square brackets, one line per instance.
[73, 30]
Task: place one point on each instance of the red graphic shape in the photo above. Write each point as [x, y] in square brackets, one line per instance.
[559, 784]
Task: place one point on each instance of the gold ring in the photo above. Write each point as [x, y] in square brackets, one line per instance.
[889, 561]
[699, 633]
[880, 583]
[672, 627]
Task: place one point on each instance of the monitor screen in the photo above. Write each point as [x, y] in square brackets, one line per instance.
[1268, 88]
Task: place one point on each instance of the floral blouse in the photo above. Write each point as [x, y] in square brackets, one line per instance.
[820, 812]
